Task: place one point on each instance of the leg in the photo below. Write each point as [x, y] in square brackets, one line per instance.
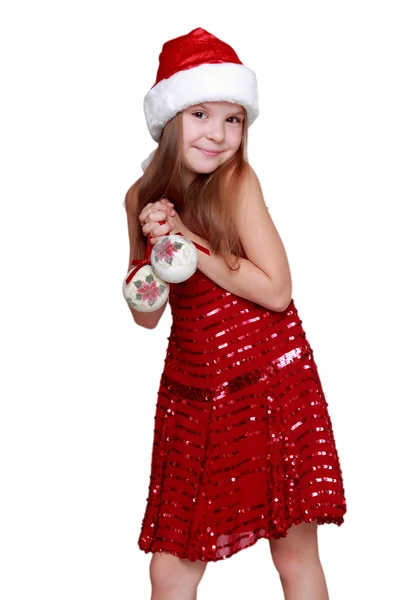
[173, 578]
[297, 561]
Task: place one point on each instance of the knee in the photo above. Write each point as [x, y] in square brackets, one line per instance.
[164, 571]
[168, 572]
[286, 562]
[290, 562]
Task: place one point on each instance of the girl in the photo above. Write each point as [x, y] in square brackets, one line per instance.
[243, 442]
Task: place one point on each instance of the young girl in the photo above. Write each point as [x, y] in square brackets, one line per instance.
[243, 441]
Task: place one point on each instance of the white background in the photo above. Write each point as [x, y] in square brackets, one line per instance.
[79, 378]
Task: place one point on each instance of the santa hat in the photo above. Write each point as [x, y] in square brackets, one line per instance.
[198, 67]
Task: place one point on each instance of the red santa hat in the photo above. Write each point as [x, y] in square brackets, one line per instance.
[198, 67]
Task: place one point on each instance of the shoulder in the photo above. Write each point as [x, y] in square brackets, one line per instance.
[258, 234]
[249, 196]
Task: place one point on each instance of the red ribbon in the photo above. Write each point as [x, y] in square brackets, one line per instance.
[139, 262]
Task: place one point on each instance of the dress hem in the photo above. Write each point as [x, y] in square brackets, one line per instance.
[276, 535]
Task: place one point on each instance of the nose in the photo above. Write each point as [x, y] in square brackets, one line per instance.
[216, 131]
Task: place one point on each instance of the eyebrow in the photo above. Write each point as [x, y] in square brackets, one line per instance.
[239, 111]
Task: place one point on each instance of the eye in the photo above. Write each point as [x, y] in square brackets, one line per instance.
[199, 112]
[237, 120]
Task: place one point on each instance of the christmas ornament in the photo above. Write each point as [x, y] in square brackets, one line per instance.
[142, 288]
[174, 258]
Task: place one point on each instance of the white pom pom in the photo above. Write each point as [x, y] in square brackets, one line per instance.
[145, 292]
[148, 160]
[174, 258]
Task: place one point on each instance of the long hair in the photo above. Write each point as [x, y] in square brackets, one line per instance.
[205, 207]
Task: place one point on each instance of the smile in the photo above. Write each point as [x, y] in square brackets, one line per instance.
[208, 152]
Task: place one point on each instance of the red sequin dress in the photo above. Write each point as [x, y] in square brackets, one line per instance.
[243, 442]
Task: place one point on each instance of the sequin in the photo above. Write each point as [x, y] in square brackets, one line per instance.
[243, 442]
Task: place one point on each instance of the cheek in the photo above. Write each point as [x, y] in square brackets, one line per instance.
[235, 139]
[189, 131]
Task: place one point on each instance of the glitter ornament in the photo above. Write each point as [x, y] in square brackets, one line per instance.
[143, 290]
[174, 258]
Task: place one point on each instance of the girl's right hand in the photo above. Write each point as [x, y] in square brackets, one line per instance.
[152, 214]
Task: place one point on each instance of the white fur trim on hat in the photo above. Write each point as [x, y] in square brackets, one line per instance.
[209, 82]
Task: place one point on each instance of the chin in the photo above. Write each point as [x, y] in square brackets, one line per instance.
[205, 171]
[204, 168]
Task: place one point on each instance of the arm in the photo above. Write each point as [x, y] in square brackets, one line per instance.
[148, 320]
[264, 277]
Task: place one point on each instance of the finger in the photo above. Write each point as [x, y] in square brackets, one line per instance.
[160, 230]
[143, 216]
[155, 229]
[150, 215]
[158, 215]
[165, 206]
[153, 213]
[154, 240]
[147, 227]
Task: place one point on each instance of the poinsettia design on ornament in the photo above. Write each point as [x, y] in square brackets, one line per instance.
[165, 250]
[148, 289]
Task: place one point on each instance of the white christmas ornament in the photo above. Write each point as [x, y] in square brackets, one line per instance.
[174, 258]
[145, 291]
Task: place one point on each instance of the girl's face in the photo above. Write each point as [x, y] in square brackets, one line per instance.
[212, 134]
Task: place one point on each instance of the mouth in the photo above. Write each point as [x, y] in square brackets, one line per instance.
[210, 153]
